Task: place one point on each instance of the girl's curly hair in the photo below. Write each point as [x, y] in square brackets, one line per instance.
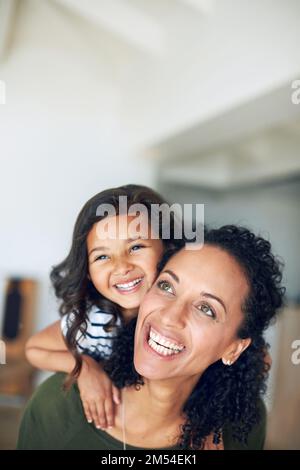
[70, 278]
[224, 395]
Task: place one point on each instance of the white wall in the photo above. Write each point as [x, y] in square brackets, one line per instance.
[80, 102]
[270, 209]
[273, 211]
[61, 141]
[215, 62]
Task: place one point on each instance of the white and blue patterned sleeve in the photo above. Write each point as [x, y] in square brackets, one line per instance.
[95, 342]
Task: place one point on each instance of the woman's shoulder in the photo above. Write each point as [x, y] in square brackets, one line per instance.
[50, 415]
[51, 398]
[256, 437]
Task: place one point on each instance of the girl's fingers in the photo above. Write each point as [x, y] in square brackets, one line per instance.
[87, 412]
[116, 393]
[101, 414]
[109, 411]
[95, 416]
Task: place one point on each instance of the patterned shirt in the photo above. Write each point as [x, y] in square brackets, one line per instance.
[95, 342]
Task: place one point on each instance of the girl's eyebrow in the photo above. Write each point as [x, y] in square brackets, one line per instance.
[105, 248]
[129, 240]
[98, 248]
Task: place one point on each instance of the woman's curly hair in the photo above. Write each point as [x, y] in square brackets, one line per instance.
[224, 396]
[70, 278]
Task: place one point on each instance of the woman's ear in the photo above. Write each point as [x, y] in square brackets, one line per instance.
[234, 351]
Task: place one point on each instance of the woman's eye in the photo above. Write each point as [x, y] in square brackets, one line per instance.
[101, 257]
[207, 310]
[165, 286]
[136, 247]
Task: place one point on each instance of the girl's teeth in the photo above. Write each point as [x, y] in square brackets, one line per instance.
[129, 285]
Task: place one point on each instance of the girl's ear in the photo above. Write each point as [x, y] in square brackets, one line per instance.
[235, 350]
[88, 276]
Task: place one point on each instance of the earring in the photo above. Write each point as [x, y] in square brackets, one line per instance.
[227, 362]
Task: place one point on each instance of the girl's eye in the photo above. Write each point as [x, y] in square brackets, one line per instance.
[165, 286]
[136, 247]
[207, 310]
[101, 257]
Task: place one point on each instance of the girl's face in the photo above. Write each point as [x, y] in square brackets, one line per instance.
[190, 317]
[122, 270]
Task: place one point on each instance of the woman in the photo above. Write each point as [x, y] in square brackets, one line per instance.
[199, 357]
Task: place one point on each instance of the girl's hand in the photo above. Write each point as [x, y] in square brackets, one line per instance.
[98, 394]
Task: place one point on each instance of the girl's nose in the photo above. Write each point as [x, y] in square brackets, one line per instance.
[122, 268]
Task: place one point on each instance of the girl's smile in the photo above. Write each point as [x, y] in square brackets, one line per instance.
[129, 286]
[122, 269]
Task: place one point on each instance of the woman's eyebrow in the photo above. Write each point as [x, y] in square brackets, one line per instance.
[211, 296]
[172, 274]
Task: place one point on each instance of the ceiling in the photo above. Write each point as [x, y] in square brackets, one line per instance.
[254, 143]
[254, 140]
[140, 24]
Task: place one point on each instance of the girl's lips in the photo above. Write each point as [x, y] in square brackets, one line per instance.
[156, 354]
[125, 289]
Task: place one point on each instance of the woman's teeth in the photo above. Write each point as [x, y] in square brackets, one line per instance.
[128, 285]
[162, 345]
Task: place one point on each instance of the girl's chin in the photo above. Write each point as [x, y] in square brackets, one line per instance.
[129, 306]
[128, 301]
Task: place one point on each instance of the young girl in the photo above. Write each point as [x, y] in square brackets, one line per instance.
[100, 285]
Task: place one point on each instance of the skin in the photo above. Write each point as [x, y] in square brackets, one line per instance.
[119, 261]
[180, 306]
[115, 261]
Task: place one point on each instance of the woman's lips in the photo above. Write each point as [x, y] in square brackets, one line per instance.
[160, 346]
[129, 287]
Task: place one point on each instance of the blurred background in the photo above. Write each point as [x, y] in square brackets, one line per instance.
[191, 97]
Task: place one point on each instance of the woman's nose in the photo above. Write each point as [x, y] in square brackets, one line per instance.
[174, 315]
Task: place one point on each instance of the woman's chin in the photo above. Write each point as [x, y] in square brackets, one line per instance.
[148, 370]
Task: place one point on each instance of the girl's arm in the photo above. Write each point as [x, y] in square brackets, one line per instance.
[47, 350]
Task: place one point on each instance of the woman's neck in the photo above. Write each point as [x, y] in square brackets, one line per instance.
[153, 414]
[163, 400]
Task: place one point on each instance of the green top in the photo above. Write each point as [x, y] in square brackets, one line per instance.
[54, 419]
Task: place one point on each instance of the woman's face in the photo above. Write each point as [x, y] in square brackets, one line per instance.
[190, 317]
[122, 269]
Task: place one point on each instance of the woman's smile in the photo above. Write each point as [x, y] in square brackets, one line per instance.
[162, 346]
[190, 315]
